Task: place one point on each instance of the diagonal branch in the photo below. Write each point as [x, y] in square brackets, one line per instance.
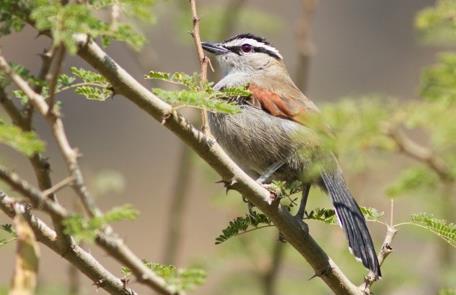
[213, 154]
[109, 242]
[77, 256]
[420, 153]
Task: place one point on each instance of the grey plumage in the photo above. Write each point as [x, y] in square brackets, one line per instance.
[256, 138]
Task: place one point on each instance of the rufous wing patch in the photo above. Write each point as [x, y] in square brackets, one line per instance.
[272, 102]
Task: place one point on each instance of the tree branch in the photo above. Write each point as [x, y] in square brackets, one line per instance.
[213, 154]
[385, 251]
[53, 117]
[77, 256]
[420, 153]
[109, 242]
[203, 60]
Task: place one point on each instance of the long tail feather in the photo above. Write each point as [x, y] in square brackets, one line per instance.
[351, 219]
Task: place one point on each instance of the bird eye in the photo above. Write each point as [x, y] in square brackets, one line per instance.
[246, 47]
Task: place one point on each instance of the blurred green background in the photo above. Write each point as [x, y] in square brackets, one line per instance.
[362, 49]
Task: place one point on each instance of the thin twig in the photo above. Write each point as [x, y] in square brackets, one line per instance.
[203, 60]
[77, 256]
[420, 153]
[53, 117]
[58, 186]
[385, 251]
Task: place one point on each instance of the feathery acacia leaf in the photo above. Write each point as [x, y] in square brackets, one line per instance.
[87, 229]
[178, 279]
[328, 216]
[440, 227]
[7, 234]
[195, 93]
[22, 141]
[243, 224]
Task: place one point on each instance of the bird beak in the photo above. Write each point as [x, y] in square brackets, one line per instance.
[215, 48]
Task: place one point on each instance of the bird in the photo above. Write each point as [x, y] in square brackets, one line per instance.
[271, 139]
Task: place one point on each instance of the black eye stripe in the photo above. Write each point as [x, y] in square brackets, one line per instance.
[237, 50]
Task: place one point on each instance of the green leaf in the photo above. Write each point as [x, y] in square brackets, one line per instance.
[87, 229]
[440, 227]
[243, 224]
[24, 142]
[12, 16]
[93, 87]
[439, 81]
[437, 24]
[323, 214]
[178, 279]
[64, 21]
[329, 215]
[93, 93]
[195, 99]
[7, 234]
[158, 75]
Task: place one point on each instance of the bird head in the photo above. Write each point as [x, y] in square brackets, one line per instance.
[244, 53]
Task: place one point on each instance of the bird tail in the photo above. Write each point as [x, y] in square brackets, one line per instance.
[351, 219]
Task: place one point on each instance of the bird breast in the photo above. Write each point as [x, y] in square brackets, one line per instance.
[257, 140]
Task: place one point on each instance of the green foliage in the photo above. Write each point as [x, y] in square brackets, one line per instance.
[87, 229]
[91, 85]
[439, 81]
[329, 215]
[12, 15]
[65, 20]
[24, 142]
[437, 24]
[244, 224]
[178, 279]
[440, 227]
[413, 179]
[140, 9]
[7, 234]
[196, 94]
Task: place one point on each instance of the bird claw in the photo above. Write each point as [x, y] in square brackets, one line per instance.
[274, 193]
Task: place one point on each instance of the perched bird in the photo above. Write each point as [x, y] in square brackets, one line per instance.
[269, 137]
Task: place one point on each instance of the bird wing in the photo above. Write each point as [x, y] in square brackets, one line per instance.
[284, 102]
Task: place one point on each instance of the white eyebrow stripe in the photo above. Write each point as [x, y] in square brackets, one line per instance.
[254, 43]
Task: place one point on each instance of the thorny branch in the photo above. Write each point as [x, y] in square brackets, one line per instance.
[53, 117]
[77, 256]
[107, 240]
[384, 252]
[203, 59]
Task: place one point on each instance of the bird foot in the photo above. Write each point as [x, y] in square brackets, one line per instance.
[274, 193]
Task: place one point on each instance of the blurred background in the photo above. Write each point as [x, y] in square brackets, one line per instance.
[353, 48]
